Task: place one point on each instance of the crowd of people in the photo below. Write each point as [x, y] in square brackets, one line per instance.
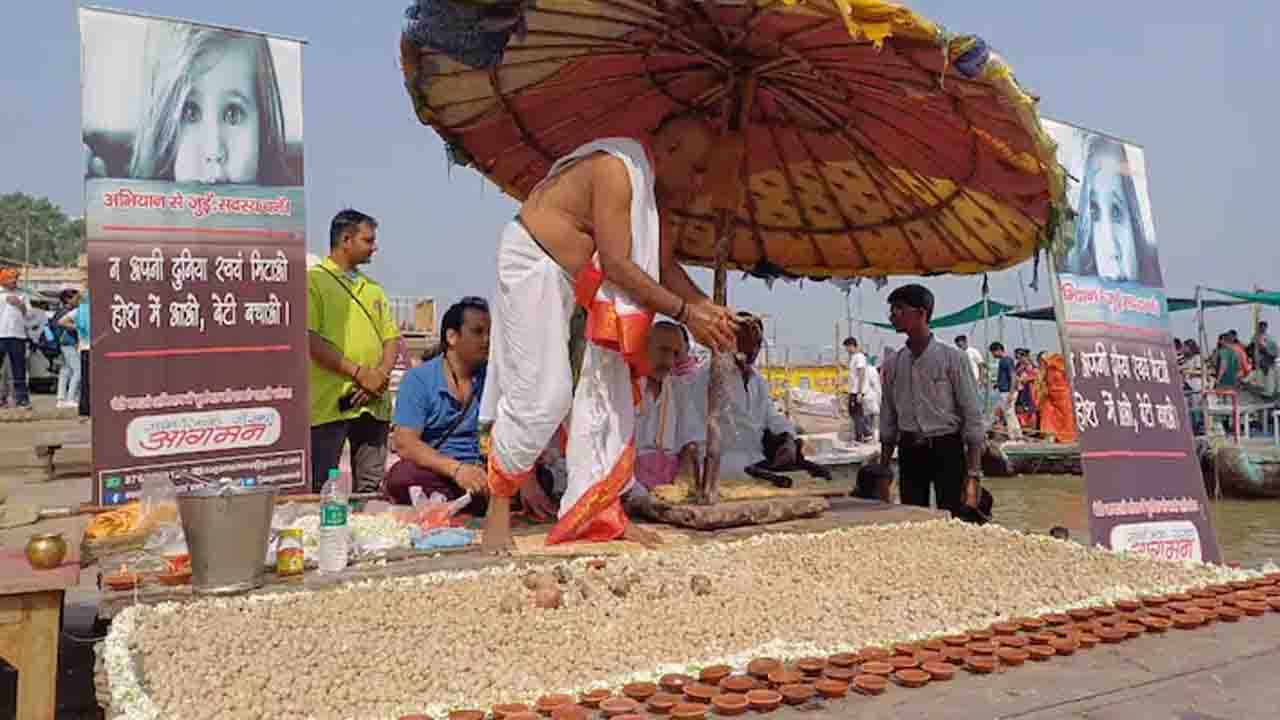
[43, 332]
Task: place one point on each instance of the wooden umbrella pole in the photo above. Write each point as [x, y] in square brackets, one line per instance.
[727, 195]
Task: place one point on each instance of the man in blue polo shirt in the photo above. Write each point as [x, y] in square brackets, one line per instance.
[436, 417]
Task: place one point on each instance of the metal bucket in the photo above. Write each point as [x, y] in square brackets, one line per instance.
[227, 529]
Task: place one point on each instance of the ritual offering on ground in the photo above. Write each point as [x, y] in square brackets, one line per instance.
[624, 626]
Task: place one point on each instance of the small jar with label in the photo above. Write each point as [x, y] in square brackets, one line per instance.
[290, 555]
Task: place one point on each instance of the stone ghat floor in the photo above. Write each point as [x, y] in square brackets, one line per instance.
[442, 642]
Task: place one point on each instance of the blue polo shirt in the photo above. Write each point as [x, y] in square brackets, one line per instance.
[424, 403]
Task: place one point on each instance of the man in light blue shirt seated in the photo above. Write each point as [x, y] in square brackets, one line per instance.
[437, 414]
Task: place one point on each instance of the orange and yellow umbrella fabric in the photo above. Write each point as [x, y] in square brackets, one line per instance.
[877, 143]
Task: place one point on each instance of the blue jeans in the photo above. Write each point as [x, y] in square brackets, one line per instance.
[69, 376]
[14, 350]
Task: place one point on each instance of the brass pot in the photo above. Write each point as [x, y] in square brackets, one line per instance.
[46, 550]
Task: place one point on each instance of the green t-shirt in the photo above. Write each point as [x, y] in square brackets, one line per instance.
[334, 315]
[1228, 367]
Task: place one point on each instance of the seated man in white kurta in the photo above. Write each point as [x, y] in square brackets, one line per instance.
[748, 410]
[667, 427]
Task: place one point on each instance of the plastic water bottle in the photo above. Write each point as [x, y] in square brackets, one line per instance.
[335, 535]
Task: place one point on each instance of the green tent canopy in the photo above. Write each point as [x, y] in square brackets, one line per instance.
[967, 316]
[1175, 304]
[1261, 298]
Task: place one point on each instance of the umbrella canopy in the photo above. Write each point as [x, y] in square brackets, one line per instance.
[875, 142]
[1244, 296]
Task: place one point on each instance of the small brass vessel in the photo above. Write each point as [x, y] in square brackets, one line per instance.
[45, 551]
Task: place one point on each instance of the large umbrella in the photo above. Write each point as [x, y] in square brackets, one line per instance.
[859, 138]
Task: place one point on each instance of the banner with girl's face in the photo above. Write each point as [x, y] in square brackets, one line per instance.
[1142, 478]
[194, 210]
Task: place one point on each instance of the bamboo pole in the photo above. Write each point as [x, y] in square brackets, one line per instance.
[727, 171]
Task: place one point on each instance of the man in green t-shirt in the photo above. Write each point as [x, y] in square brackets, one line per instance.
[353, 341]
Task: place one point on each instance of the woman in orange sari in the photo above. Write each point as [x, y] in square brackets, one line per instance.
[1054, 401]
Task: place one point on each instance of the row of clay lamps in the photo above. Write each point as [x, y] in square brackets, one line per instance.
[769, 683]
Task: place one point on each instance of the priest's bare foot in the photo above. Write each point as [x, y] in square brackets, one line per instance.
[644, 536]
[496, 534]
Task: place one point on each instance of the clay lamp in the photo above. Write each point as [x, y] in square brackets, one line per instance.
[1133, 630]
[1274, 603]
[569, 712]
[524, 716]
[796, 694]
[1055, 619]
[1016, 641]
[1207, 603]
[1271, 591]
[957, 640]
[829, 688]
[981, 635]
[729, 704]
[877, 667]
[811, 665]
[500, 712]
[1042, 638]
[956, 655]
[1112, 635]
[981, 647]
[1040, 653]
[1239, 584]
[689, 711]
[713, 674]
[1179, 597]
[1218, 589]
[912, 677]
[928, 656]
[1181, 605]
[980, 664]
[629, 716]
[1087, 640]
[415, 717]
[932, 645]
[1129, 617]
[1252, 608]
[1107, 621]
[1103, 609]
[1066, 631]
[868, 654]
[1161, 612]
[122, 579]
[778, 678]
[1202, 593]
[905, 648]
[1030, 624]
[737, 684]
[870, 684]
[1012, 657]
[674, 682]
[761, 667]
[1063, 646]
[1251, 596]
[1155, 600]
[843, 675]
[1005, 629]
[700, 693]
[1080, 614]
[1226, 613]
[616, 706]
[902, 662]
[663, 702]
[1186, 621]
[466, 715]
[764, 700]
[1128, 605]
[640, 691]
[939, 671]
[546, 704]
[593, 698]
[847, 660]
[1156, 624]
[1206, 615]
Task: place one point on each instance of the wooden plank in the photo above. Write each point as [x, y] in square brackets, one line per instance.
[734, 513]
